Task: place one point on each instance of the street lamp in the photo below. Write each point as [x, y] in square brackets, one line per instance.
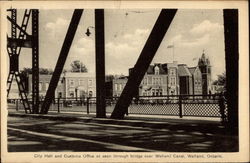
[88, 33]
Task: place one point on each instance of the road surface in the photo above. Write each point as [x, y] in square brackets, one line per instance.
[29, 134]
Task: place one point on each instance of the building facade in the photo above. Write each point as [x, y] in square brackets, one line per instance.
[44, 81]
[185, 80]
[118, 85]
[196, 80]
[79, 84]
[173, 79]
[71, 84]
[154, 82]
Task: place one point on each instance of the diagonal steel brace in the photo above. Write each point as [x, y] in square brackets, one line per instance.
[61, 60]
[147, 54]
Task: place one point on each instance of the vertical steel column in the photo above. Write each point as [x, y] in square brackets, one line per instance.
[13, 66]
[157, 34]
[232, 65]
[35, 61]
[100, 63]
[61, 60]
[13, 34]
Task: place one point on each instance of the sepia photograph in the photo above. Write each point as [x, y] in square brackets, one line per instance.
[142, 84]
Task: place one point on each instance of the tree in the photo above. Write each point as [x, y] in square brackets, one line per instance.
[221, 80]
[78, 66]
[45, 71]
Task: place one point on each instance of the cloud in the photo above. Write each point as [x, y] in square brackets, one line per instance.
[138, 37]
[206, 27]
[184, 41]
[196, 42]
[57, 28]
[177, 38]
[120, 57]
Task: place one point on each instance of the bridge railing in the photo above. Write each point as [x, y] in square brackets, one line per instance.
[171, 105]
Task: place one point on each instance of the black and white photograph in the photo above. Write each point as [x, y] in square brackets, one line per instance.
[85, 84]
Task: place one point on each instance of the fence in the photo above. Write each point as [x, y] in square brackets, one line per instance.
[172, 105]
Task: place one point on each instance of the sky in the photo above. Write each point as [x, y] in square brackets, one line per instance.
[126, 32]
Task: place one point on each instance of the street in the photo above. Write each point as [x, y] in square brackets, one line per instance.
[29, 134]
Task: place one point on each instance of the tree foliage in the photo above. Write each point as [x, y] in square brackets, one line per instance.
[44, 71]
[221, 79]
[78, 66]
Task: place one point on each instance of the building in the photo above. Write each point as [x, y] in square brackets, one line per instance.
[173, 79]
[196, 80]
[185, 80]
[160, 79]
[71, 84]
[79, 84]
[114, 85]
[205, 68]
[44, 80]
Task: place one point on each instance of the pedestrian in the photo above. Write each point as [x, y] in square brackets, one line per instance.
[222, 109]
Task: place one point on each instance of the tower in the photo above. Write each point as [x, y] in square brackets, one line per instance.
[205, 68]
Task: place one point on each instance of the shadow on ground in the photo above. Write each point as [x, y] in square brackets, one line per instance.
[173, 137]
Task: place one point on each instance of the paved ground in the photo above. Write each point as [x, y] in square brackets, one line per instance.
[74, 132]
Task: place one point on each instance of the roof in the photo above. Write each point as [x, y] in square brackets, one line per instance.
[192, 69]
[183, 70]
[162, 69]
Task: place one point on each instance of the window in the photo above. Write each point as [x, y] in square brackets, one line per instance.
[160, 92]
[71, 93]
[116, 87]
[90, 82]
[59, 94]
[172, 72]
[90, 93]
[153, 92]
[71, 82]
[172, 81]
[81, 82]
